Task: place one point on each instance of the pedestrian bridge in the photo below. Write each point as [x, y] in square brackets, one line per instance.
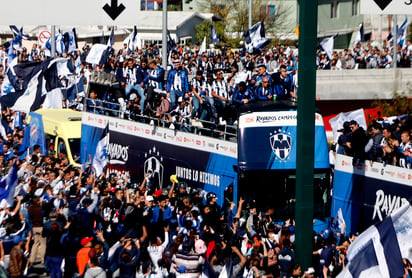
[362, 84]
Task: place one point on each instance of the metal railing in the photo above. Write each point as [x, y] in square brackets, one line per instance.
[196, 126]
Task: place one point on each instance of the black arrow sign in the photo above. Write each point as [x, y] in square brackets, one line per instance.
[114, 10]
[383, 3]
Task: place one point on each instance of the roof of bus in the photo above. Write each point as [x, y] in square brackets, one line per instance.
[62, 122]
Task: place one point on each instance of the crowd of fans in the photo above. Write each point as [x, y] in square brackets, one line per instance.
[207, 86]
[75, 224]
[383, 141]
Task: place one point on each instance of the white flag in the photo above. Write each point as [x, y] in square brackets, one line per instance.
[337, 122]
[203, 46]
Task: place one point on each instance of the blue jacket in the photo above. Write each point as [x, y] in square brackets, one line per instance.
[282, 87]
[156, 79]
[261, 96]
[183, 77]
[239, 96]
[167, 215]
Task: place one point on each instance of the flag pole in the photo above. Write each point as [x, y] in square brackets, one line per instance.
[250, 14]
[306, 131]
[395, 52]
[164, 36]
[53, 41]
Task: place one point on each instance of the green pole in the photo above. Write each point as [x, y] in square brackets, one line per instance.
[308, 15]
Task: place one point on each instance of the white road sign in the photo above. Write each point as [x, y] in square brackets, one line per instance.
[386, 7]
[70, 12]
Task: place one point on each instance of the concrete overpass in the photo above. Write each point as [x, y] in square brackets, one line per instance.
[347, 90]
[362, 84]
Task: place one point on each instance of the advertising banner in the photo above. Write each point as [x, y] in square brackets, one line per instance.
[368, 192]
[137, 149]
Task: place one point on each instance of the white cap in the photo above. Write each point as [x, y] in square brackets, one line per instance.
[149, 198]
[310, 270]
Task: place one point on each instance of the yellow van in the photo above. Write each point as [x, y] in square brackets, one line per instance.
[62, 128]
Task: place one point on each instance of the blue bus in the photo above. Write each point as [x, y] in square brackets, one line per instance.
[257, 160]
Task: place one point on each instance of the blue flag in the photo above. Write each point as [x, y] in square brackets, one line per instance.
[110, 41]
[8, 185]
[213, 35]
[74, 90]
[101, 156]
[16, 43]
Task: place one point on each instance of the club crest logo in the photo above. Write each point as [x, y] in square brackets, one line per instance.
[281, 144]
[153, 168]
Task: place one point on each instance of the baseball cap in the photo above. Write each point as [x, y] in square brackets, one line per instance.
[211, 195]
[149, 198]
[310, 270]
[86, 240]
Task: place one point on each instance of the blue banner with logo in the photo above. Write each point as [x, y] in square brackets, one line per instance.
[267, 140]
[137, 149]
[90, 137]
[368, 192]
[33, 135]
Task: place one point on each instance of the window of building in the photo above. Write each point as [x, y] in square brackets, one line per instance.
[355, 5]
[268, 11]
[334, 9]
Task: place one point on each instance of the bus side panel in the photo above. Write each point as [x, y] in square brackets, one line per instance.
[274, 148]
[137, 156]
[267, 141]
[136, 149]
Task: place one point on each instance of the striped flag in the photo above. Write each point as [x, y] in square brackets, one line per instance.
[16, 43]
[379, 250]
[402, 32]
[255, 37]
[101, 157]
[38, 78]
[9, 84]
[131, 41]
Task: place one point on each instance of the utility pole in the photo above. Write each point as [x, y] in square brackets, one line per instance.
[53, 41]
[250, 14]
[164, 36]
[308, 18]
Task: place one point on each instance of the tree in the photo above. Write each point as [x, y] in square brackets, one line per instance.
[203, 30]
[400, 104]
[235, 15]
